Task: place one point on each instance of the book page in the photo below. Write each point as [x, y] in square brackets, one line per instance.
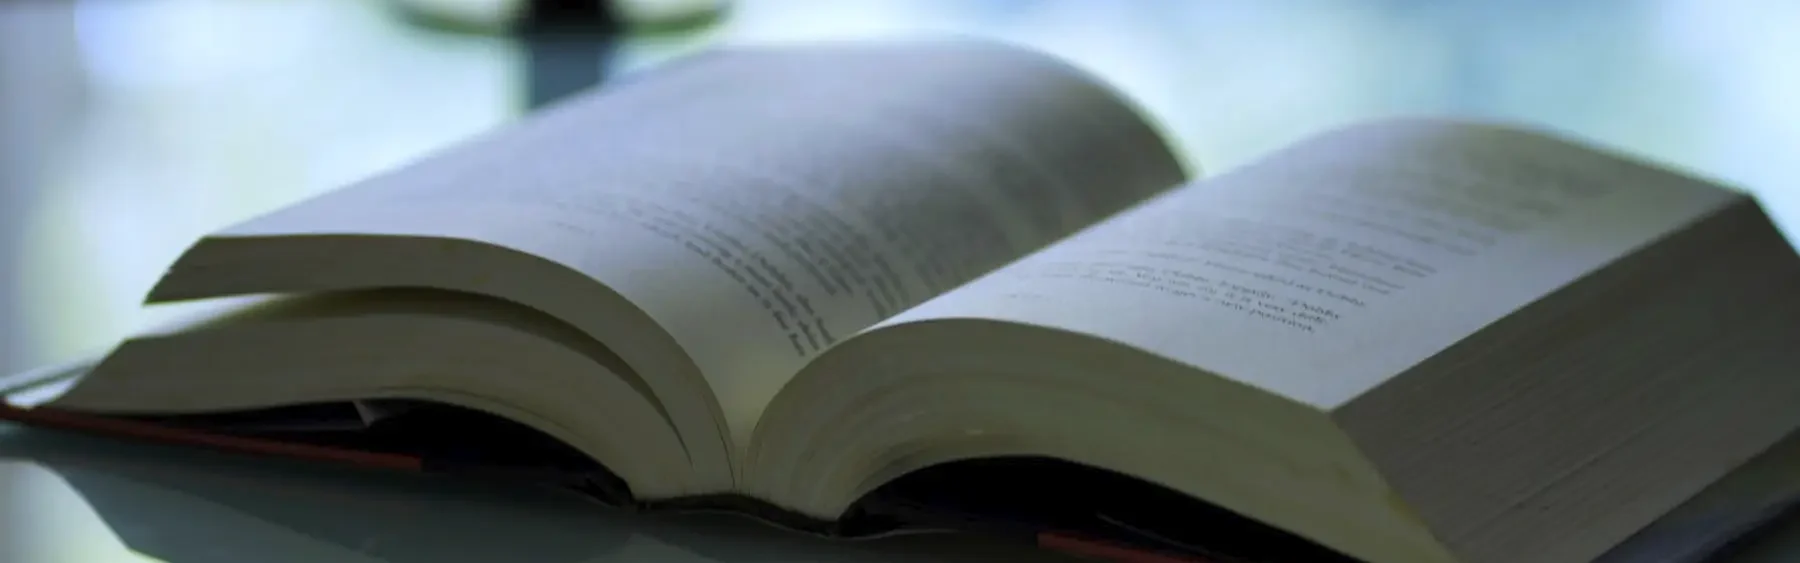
[762, 205]
[1325, 269]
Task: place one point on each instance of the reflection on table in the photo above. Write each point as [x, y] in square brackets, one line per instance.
[70, 498]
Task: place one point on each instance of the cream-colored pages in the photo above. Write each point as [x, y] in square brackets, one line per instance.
[1232, 339]
[1357, 254]
[719, 222]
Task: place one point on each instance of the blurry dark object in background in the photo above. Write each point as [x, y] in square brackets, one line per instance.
[568, 44]
[568, 47]
[502, 16]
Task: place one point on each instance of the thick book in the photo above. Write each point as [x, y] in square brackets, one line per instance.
[860, 288]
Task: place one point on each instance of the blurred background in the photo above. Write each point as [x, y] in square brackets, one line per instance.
[128, 128]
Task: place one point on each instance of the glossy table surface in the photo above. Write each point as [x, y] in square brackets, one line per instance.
[127, 128]
[76, 499]
[67, 498]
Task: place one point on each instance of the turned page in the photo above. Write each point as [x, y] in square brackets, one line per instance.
[762, 204]
[1325, 269]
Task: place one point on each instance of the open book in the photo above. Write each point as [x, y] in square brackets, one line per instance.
[860, 287]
